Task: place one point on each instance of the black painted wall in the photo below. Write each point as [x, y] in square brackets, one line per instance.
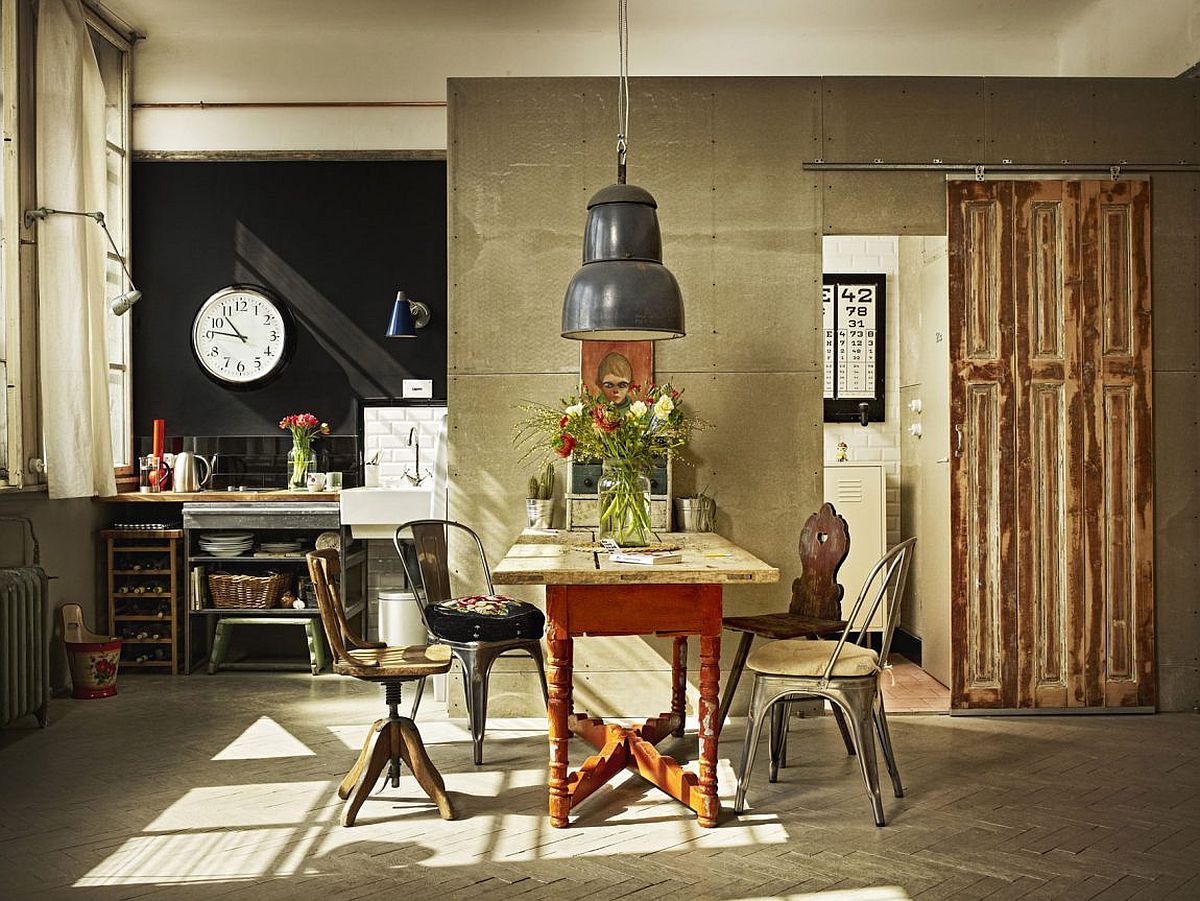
[334, 240]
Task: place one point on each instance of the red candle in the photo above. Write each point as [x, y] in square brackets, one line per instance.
[160, 439]
[160, 436]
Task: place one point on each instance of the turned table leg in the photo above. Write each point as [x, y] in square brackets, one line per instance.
[710, 675]
[558, 710]
[679, 683]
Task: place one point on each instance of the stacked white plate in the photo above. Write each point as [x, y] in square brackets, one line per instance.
[280, 547]
[227, 544]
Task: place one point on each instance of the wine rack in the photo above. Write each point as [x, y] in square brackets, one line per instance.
[145, 596]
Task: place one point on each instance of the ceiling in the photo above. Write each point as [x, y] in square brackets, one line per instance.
[156, 17]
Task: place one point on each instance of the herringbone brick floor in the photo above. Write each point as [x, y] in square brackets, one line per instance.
[223, 787]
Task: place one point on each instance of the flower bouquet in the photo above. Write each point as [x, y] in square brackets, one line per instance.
[304, 427]
[627, 437]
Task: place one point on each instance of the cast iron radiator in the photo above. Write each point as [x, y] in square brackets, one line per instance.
[24, 640]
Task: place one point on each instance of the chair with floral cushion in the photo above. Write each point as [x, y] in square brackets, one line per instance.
[477, 628]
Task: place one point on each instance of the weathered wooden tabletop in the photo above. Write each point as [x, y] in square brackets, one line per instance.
[555, 558]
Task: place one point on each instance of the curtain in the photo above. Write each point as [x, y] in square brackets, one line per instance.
[71, 256]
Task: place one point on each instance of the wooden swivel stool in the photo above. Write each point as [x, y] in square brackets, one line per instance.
[394, 739]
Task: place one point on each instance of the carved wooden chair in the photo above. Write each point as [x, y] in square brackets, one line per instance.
[843, 672]
[814, 612]
[394, 739]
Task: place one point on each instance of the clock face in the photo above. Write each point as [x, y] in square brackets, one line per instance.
[242, 336]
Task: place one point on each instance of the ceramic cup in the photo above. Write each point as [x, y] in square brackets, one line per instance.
[315, 481]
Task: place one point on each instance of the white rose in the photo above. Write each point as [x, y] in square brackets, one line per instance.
[575, 410]
[637, 410]
[663, 407]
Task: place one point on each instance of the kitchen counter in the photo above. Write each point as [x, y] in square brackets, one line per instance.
[269, 496]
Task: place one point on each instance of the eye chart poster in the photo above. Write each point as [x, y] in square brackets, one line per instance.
[854, 316]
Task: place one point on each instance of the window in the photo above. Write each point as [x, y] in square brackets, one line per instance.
[112, 55]
[20, 428]
[20, 414]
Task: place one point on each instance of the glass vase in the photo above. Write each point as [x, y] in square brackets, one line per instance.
[623, 493]
[299, 461]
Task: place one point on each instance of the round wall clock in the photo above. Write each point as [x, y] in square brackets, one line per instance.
[243, 336]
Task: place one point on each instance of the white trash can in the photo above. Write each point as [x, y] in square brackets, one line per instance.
[399, 619]
[400, 625]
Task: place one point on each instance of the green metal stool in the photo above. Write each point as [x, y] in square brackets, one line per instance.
[316, 646]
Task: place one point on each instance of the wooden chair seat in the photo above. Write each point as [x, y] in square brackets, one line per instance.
[413, 662]
[782, 626]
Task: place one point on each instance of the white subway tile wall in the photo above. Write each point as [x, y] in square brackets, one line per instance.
[879, 441]
[386, 432]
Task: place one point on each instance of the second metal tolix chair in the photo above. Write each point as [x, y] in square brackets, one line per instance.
[842, 672]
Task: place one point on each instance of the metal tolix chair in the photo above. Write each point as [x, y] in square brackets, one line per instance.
[478, 629]
[844, 673]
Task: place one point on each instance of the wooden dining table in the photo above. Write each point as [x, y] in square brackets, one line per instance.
[587, 594]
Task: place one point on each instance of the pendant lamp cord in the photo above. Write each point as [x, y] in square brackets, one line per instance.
[622, 87]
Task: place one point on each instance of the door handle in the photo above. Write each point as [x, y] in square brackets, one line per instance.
[958, 441]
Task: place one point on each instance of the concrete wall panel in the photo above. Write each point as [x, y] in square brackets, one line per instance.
[1042, 119]
[885, 203]
[516, 203]
[1177, 537]
[762, 461]
[1145, 121]
[1175, 278]
[903, 120]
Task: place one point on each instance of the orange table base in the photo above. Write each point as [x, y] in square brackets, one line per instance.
[672, 610]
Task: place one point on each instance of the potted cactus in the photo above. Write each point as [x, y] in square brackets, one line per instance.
[539, 502]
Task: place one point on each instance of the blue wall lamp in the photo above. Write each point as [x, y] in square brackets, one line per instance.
[407, 317]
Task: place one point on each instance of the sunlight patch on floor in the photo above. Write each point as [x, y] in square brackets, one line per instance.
[195, 857]
[264, 739]
[875, 893]
[242, 806]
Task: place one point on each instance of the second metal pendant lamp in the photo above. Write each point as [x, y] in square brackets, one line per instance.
[622, 292]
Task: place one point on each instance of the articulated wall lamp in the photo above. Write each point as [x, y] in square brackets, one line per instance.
[623, 292]
[407, 317]
[122, 302]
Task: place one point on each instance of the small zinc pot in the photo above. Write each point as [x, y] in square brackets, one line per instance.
[540, 513]
[695, 514]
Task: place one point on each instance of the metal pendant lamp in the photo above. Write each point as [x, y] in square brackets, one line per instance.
[622, 292]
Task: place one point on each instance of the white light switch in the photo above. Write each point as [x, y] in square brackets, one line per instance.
[417, 388]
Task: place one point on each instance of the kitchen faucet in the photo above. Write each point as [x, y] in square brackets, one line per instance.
[415, 478]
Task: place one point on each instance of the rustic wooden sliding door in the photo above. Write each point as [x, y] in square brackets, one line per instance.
[1052, 601]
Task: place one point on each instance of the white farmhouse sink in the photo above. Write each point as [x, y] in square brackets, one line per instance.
[375, 512]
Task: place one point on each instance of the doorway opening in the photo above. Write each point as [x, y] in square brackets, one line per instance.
[890, 477]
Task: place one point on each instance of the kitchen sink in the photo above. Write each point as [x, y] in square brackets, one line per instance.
[375, 512]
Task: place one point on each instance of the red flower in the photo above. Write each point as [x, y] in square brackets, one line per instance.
[564, 444]
[606, 420]
[562, 423]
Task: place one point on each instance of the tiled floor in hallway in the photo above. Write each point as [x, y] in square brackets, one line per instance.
[223, 787]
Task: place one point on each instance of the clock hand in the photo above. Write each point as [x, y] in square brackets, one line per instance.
[229, 319]
[227, 335]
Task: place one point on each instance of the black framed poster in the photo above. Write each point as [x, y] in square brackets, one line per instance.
[855, 313]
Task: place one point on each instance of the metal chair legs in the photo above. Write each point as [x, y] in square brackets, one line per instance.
[857, 699]
[476, 660]
[735, 676]
[885, 743]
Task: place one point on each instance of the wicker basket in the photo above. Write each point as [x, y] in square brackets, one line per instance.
[239, 590]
